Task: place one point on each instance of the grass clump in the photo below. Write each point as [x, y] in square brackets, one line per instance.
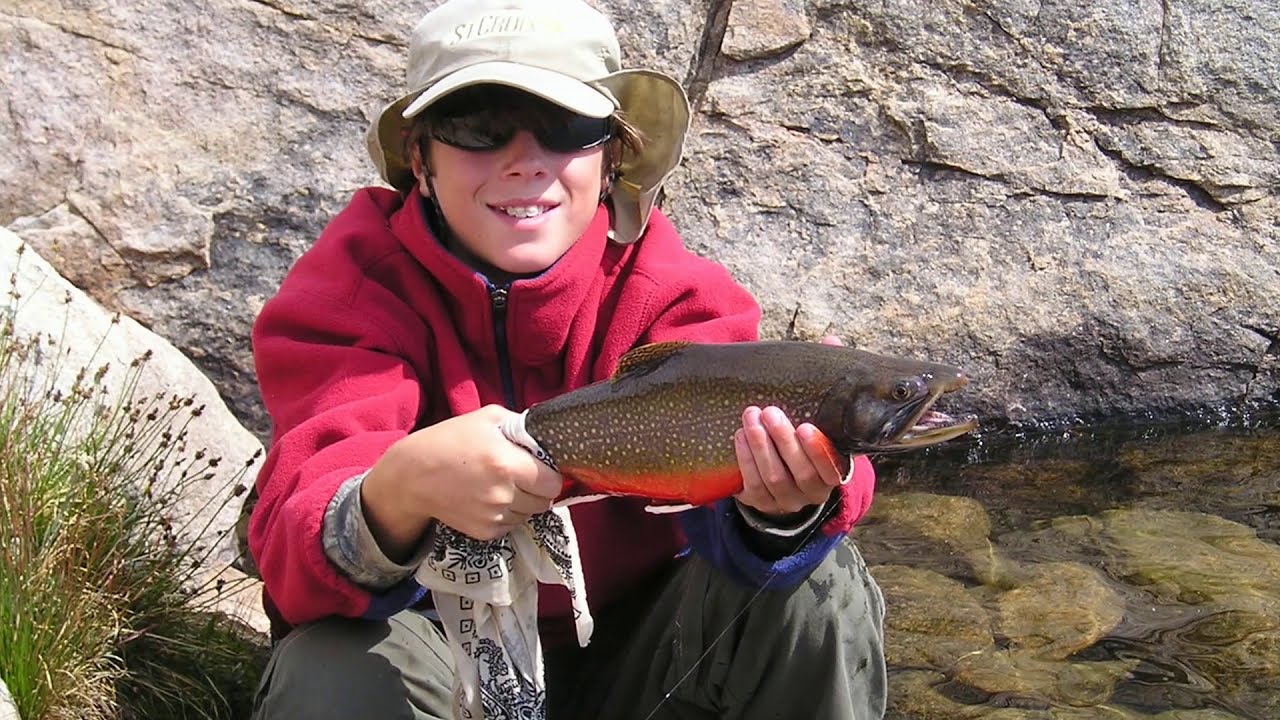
[102, 615]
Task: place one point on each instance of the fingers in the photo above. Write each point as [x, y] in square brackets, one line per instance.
[523, 506]
[462, 472]
[528, 504]
[784, 469]
[543, 483]
[533, 488]
[798, 461]
[832, 467]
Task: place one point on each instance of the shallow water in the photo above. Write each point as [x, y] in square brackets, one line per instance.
[1089, 573]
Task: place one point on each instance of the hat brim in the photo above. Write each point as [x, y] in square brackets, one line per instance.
[567, 92]
[656, 105]
[385, 142]
[651, 101]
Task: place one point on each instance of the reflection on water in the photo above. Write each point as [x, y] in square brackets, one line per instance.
[1108, 575]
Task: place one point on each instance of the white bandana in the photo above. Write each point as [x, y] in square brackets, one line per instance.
[487, 597]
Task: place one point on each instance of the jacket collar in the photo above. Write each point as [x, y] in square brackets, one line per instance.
[540, 310]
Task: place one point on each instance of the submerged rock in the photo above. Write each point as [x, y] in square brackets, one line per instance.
[952, 532]
[1033, 682]
[1017, 651]
[1205, 596]
[913, 695]
[926, 695]
[933, 621]
[1193, 558]
[1057, 610]
[1235, 475]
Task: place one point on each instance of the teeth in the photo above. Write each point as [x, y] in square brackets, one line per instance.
[523, 211]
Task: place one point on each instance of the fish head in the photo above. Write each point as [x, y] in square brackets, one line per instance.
[884, 404]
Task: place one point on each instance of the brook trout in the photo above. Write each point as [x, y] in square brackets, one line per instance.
[662, 427]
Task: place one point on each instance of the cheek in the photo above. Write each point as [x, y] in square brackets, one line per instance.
[455, 175]
[584, 175]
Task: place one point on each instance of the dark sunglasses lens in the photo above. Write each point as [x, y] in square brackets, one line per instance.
[574, 132]
[477, 131]
[560, 132]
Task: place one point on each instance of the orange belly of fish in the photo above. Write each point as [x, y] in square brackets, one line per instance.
[696, 488]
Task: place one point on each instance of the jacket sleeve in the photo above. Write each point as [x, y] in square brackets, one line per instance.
[717, 533]
[340, 393]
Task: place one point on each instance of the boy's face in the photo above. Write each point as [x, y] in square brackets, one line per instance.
[516, 206]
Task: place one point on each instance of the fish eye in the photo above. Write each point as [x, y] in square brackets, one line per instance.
[904, 390]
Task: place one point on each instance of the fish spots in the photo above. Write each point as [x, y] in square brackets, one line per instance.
[640, 434]
[665, 430]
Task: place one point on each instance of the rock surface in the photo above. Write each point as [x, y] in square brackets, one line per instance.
[7, 710]
[1075, 201]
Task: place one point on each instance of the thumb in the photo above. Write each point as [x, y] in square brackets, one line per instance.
[547, 483]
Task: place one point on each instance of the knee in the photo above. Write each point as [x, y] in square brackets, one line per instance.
[838, 598]
[343, 668]
[838, 595]
[837, 616]
[830, 629]
[841, 588]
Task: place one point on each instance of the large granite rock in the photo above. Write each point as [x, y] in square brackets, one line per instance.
[1074, 200]
[7, 709]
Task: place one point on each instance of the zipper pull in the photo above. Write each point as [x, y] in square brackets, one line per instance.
[498, 296]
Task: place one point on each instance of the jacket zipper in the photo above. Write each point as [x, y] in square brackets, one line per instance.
[498, 300]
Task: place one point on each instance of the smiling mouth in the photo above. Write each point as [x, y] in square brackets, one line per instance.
[523, 212]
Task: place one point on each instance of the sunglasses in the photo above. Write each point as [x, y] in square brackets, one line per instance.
[557, 131]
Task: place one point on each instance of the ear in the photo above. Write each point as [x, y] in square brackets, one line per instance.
[421, 171]
[606, 184]
[609, 167]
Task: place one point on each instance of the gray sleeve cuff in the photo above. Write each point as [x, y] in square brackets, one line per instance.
[790, 528]
[350, 545]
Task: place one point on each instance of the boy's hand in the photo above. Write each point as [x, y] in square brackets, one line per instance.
[463, 472]
[785, 468]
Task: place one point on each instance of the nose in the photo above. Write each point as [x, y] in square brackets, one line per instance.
[524, 155]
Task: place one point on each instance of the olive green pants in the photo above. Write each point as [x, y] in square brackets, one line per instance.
[699, 646]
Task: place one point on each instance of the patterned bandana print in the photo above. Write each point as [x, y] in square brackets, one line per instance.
[487, 597]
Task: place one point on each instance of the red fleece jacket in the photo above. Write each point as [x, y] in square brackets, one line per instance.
[378, 331]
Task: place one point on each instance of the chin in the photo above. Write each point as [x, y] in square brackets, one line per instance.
[532, 260]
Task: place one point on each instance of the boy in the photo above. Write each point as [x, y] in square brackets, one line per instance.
[519, 257]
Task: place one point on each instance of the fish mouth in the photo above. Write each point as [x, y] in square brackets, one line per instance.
[925, 426]
[932, 427]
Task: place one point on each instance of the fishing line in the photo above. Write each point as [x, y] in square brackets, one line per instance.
[822, 520]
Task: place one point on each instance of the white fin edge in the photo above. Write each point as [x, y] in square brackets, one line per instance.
[578, 500]
[668, 509]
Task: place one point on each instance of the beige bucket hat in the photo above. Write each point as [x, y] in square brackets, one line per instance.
[562, 50]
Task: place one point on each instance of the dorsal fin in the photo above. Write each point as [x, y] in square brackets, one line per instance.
[647, 357]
